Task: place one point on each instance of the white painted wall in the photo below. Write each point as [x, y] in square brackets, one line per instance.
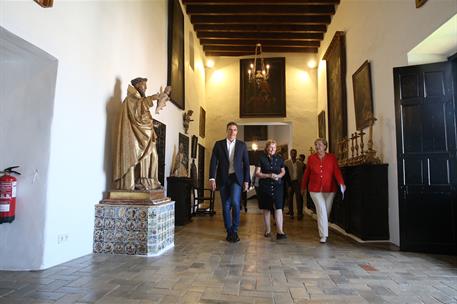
[100, 46]
[382, 32]
[27, 86]
[280, 133]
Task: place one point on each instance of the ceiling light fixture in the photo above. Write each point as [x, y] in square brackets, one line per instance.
[258, 70]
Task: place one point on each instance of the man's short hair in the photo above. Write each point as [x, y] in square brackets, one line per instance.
[232, 123]
[293, 150]
[137, 80]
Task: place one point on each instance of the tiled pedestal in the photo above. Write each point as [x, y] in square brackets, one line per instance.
[134, 229]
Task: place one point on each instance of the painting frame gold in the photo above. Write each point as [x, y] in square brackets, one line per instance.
[176, 70]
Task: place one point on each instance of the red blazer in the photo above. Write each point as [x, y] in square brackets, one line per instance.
[321, 174]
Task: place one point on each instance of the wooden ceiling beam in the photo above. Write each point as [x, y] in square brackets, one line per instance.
[247, 2]
[296, 28]
[250, 10]
[264, 36]
[259, 19]
[253, 42]
[237, 54]
[250, 49]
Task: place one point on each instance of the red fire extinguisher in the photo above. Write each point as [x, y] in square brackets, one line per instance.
[8, 195]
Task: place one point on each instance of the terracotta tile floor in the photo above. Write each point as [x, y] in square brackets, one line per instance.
[204, 268]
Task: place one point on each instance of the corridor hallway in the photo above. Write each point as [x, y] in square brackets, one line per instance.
[204, 268]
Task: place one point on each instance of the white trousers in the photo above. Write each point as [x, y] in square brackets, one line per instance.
[323, 202]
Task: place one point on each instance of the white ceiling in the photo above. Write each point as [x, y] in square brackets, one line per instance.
[441, 44]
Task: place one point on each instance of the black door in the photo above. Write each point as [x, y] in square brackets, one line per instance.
[426, 155]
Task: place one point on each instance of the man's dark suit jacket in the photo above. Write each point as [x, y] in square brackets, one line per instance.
[219, 166]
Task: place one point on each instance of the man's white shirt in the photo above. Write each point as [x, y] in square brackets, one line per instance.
[231, 153]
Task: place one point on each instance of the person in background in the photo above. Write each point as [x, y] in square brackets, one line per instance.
[270, 171]
[229, 167]
[295, 167]
[302, 158]
[321, 172]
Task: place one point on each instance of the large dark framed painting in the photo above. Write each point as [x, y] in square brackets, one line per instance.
[335, 57]
[176, 53]
[202, 123]
[161, 131]
[184, 140]
[264, 98]
[363, 97]
[321, 124]
[254, 133]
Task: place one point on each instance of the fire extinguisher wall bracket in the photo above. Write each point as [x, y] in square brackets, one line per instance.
[8, 195]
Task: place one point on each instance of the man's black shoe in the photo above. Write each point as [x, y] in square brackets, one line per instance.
[229, 237]
[235, 238]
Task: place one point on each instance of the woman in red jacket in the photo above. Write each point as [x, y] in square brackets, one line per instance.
[321, 171]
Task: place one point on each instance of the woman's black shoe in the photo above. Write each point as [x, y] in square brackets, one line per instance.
[280, 236]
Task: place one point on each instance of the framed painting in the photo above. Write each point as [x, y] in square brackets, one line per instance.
[176, 53]
[45, 3]
[321, 125]
[363, 96]
[253, 133]
[419, 3]
[191, 51]
[202, 123]
[161, 131]
[193, 149]
[335, 57]
[264, 98]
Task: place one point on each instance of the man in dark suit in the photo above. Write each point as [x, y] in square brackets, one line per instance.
[229, 168]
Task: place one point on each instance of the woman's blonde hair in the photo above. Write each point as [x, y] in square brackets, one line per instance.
[269, 143]
[323, 141]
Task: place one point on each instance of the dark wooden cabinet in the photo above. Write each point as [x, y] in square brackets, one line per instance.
[179, 190]
[364, 210]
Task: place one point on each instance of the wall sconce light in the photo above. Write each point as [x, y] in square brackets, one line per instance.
[254, 147]
[312, 64]
[210, 63]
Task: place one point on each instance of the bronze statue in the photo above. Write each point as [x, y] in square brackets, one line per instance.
[136, 160]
